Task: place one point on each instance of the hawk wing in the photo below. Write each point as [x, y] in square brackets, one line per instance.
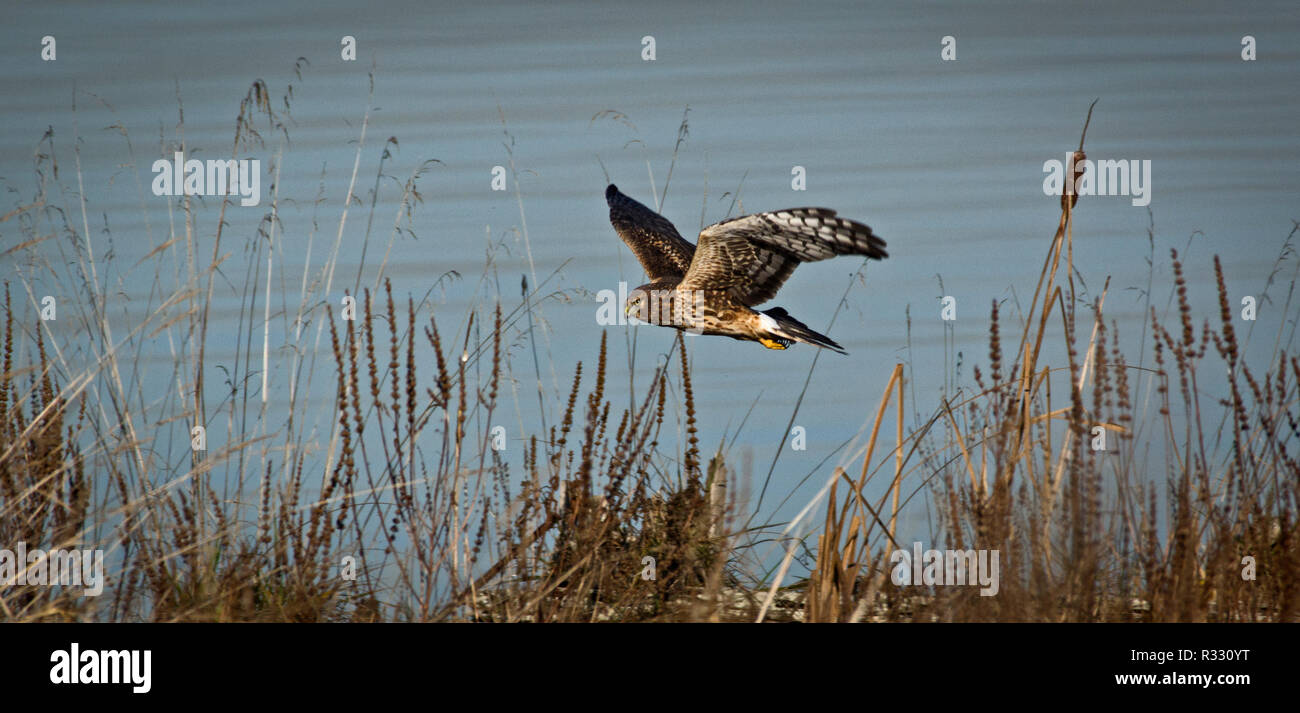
[657, 245]
[753, 255]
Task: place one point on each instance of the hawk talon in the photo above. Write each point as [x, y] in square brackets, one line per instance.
[771, 343]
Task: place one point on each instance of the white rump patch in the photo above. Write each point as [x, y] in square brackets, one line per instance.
[768, 323]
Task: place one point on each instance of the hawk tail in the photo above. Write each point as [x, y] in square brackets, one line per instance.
[788, 329]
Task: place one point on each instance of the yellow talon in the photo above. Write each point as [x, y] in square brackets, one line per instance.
[771, 343]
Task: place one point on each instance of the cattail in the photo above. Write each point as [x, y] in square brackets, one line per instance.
[692, 456]
[411, 391]
[443, 396]
[567, 422]
[995, 347]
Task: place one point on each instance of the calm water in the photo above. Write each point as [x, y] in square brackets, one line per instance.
[943, 159]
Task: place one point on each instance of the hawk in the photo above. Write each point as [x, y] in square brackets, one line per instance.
[712, 287]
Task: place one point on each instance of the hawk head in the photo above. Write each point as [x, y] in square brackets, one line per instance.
[652, 304]
[637, 305]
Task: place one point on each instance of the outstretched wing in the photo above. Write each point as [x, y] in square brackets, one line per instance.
[654, 240]
[753, 255]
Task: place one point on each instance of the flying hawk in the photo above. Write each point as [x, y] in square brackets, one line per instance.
[711, 288]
